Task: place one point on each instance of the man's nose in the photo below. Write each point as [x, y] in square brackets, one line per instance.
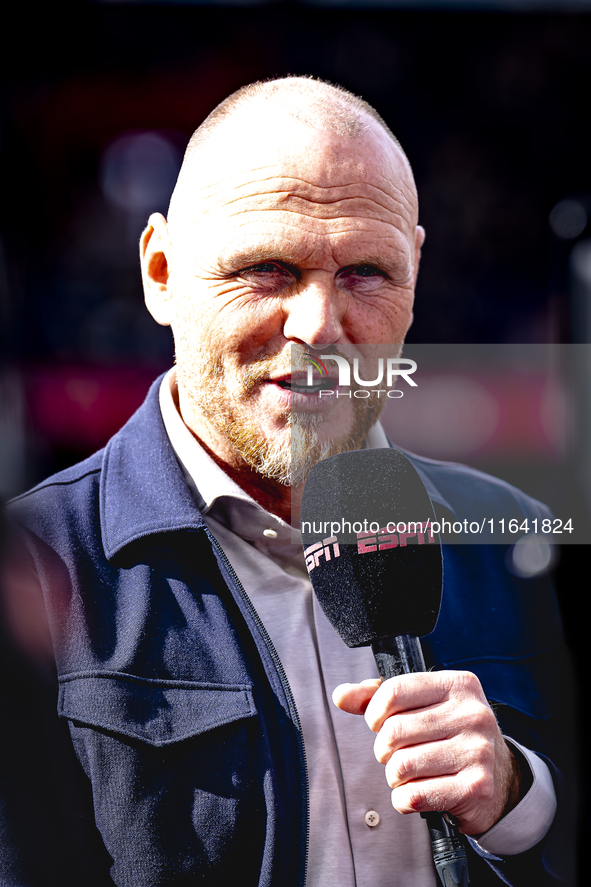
[314, 314]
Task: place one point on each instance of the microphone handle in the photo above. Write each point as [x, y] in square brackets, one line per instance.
[403, 655]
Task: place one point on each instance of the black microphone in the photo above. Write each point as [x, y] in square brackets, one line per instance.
[376, 569]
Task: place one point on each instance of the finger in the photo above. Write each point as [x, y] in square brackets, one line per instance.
[471, 723]
[354, 698]
[410, 729]
[424, 795]
[406, 692]
[412, 692]
[437, 759]
[468, 795]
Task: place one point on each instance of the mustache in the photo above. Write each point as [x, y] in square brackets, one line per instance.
[276, 364]
[301, 357]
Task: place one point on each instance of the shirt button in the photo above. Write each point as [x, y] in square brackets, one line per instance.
[270, 534]
[372, 818]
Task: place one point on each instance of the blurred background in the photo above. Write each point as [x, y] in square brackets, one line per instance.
[491, 103]
[97, 101]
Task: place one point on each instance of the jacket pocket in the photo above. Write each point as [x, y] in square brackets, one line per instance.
[175, 771]
[155, 711]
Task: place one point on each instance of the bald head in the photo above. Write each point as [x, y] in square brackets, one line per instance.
[267, 124]
[314, 102]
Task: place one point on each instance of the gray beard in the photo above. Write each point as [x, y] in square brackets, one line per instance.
[290, 465]
[285, 463]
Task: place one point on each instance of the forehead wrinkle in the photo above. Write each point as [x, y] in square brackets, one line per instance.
[293, 219]
[314, 225]
[360, 173]
[299, 253]
[360, 206]
[355, 210]
[333, 212]
[283, 148]
[320, 193]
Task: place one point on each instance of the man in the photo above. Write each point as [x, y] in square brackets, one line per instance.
[194, 666]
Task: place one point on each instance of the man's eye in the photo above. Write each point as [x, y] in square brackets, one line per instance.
[360, 275]
[267, 276]
[264, 268]
[367, 271]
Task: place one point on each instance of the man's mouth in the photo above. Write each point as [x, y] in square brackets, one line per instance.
[299, 385]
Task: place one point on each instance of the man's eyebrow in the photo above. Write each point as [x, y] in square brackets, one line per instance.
[379, 262]
[245, 258]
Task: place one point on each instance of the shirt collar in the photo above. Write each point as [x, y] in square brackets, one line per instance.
[216, 494]
[194, 460]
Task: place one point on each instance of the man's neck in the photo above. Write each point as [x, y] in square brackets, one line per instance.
[278, 499]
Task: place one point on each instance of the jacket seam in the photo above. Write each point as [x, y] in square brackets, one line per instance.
[53, 483]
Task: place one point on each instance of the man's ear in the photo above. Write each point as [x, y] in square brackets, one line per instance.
[154, 248]
[419, 241]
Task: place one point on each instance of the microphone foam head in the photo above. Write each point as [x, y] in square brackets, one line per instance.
[374, 563]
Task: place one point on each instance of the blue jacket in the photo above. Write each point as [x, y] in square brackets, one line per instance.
[176, 754]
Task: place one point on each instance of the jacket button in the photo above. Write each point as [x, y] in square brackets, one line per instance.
[271, 534]
[372, 818]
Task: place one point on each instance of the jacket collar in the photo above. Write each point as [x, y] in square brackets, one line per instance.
[423, 466]
[143, 490]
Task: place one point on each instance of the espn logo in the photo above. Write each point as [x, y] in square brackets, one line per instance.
[368, 541]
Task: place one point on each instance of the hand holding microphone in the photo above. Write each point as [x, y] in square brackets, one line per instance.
[440, 743]
[377, 573]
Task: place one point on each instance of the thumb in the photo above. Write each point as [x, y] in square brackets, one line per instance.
[355, 698]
